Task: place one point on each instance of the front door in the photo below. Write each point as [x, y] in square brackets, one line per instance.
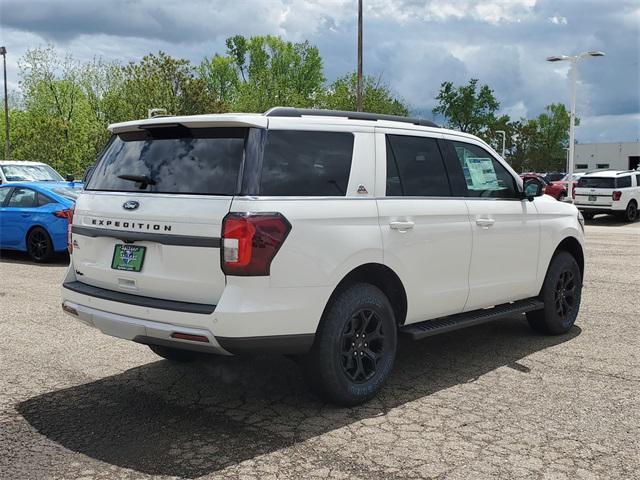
[505, 230]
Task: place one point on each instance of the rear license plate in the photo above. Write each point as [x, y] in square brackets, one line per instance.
[128, 257]
[592, 198]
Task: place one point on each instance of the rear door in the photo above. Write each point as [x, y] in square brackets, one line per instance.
[149, 221]
[506, 229]
[17, 216]
[425, 229]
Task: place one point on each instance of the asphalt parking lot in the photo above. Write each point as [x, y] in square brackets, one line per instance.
[494, 401]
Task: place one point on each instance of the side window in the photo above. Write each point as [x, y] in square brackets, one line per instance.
[415, 167]
[23, 198]
[484, 175]
[305, 163]
[43, 200]
[623, 182]
[3, 194]
[637, 181]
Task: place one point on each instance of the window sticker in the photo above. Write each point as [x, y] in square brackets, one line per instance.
[480, 174]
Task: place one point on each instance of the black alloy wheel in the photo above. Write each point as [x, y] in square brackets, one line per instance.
[39, 246]
[363, 346]
[631, 213]
[565, 294]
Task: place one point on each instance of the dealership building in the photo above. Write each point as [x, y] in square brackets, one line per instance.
[616, 156]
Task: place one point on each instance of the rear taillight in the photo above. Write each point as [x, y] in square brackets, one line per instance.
[68, 214]
[250, 241]
[616, 196]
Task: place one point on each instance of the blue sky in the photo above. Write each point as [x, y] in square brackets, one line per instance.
[414, 45]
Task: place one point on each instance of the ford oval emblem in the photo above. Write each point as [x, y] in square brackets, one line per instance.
[130, 205]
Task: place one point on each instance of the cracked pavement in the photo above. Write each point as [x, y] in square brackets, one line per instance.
[494, 401]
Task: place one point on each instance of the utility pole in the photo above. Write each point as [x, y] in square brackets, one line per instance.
[7, 152]
[359, 86]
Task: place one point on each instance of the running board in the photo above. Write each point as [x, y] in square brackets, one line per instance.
[417, 331]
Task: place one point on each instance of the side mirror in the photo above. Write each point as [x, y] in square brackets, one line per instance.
[69, 178]
[533, 188]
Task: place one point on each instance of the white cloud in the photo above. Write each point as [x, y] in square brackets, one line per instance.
[558, 20]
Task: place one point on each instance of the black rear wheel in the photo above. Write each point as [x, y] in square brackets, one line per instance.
[561, 294]
[355, 347]
[39, 245]
[631, 212]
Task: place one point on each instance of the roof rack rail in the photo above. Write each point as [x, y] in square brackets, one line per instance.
[299, 112]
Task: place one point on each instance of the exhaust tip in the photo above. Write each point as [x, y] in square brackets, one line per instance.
[70, 310]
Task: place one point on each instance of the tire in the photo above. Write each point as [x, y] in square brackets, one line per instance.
[631, 213]
[587, 215]
[561, 294]
[174, 354]
[562, 196]
[354, 348]
[39, 245]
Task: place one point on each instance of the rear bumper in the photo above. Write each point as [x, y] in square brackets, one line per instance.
[600, 208]
[142, 331]
[248, 319]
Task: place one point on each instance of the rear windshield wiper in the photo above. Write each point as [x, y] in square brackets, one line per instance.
[142, 179]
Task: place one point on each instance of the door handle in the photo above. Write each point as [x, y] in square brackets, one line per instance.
[485, 222]
[25, 215]
[402, 226]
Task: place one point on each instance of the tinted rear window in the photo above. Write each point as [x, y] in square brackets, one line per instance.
[415, 167]
[623, 182]
[301, 163]
[596, 182]
[174, 159]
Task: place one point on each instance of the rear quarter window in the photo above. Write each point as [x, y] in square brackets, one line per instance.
[623, 182]
[306, 163]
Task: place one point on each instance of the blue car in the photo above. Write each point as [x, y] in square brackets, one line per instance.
[34, 217]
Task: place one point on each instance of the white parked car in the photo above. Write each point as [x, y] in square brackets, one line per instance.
[320, 234]
[609, 191]
[20, 171]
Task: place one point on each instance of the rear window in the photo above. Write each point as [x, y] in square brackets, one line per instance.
[68, 192]
[596, 182]
[303, 163]
[172, 159]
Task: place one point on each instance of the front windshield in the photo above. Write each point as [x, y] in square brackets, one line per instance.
[30, 173]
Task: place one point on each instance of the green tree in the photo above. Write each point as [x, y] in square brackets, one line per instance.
[263, 72]
[541, 143]
[376, 96]
[467, 108]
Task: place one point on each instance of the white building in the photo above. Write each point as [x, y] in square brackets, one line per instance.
[617, 156]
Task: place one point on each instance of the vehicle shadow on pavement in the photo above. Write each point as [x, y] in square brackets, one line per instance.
[192, 420]
[13, 256]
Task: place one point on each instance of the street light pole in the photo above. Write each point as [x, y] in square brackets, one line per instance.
[573, 73]
[7, 151]
[504, 139]
[359, 85]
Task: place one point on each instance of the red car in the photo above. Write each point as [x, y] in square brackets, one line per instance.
[558, 189]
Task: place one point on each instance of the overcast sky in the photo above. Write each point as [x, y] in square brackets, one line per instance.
[415, 45]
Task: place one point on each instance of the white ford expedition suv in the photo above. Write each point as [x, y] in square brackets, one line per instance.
[609, 191]
[319, 234]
